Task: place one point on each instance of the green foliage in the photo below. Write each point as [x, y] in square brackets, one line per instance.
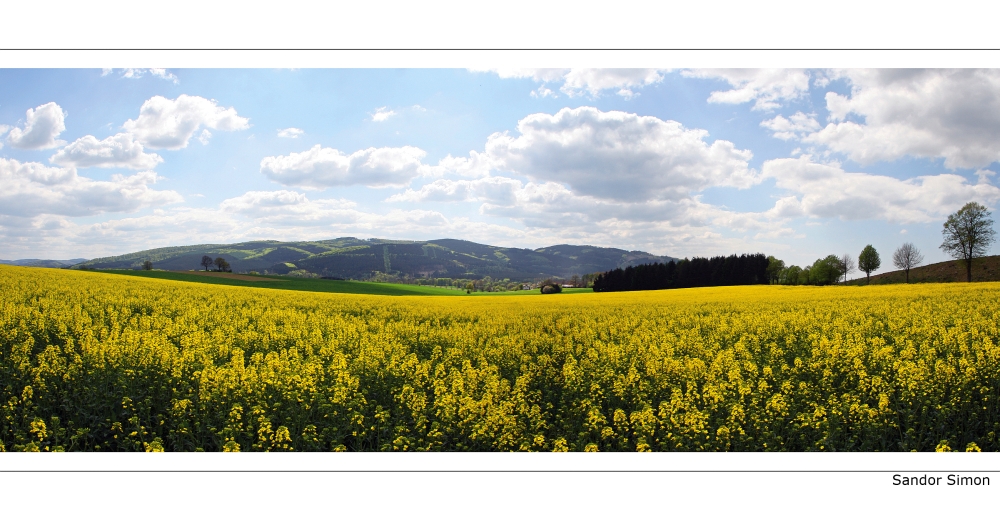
[549, 286]
[869, 261]
[284, 282]
[968, 234]
[350, 258]
[791, 275]
[774, 268]
[826, 271]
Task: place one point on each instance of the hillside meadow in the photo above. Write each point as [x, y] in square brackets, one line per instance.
[92, 361]
[303, 284]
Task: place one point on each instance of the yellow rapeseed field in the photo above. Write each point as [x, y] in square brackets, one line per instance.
[105, 362]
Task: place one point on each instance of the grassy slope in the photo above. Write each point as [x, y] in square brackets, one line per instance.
[983, 269]
[318, 285]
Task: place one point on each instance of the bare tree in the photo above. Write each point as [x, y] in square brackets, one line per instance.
[967, 234]
[148, 265]
[847, 265]
[907, 257]
[206, 261]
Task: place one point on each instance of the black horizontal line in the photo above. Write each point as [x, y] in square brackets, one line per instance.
[494, 49]
[448, 471]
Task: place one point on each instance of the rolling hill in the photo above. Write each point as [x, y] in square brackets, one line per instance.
[351, 258]
[43, 263]
[983, 269]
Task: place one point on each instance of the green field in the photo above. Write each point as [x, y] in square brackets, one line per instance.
[318, 285]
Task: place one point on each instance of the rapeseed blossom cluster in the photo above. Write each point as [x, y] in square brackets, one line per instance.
[117, 363]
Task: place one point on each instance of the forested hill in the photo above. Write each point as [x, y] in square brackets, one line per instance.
[352, 258]
[43, 263]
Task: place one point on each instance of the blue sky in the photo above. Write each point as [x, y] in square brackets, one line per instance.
[791, 162]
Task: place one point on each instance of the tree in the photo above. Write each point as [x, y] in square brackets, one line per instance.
[825, 270]
[804, 275]
[967, 234]
[549, 286]
[774, 268]
[148, 265]
[847, 265]
[907, 257]
[222, 265]
[869, 261]
[791, 275]
[206, 261]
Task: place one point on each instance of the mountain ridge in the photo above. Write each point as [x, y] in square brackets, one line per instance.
[362, 259]
[43, 263]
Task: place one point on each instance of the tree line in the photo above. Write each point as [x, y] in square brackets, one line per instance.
[686, 273]
[967, 235]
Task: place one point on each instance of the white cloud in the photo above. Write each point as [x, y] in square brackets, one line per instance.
[321, 167]
[132, 72]
[170, 124]
[619, 155]
[382, 114]
[594, 81]
[272, 204]
[823, 191]
[934, 113]
[290, 133]
[766, 87]
[489, 189]
[543, 92]
[31, 189]
[42, 125]
[118, 151]
[205, 135]
[536, 74]
[794, 127]
[581, 81]
[475, 165]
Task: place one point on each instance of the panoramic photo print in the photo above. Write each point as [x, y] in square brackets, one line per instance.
[456, 260]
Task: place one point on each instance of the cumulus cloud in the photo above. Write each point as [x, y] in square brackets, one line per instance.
[824, 191]
[41, 127]
[283, 202]
[131, 72]
[933, 113]
[321, 167]
[580, 81]
[118, 151]
[31, 189]
[794, 127]
[488, 189]
[170, 124]
[767, 88]
[621, 156]
[594, 81]
[475, 165]
[382, 114]
[290, 133]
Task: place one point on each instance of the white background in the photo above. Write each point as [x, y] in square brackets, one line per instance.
[528, 488]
